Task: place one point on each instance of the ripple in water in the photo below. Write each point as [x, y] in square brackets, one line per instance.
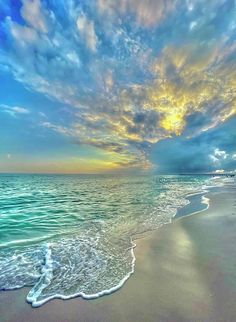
[69, 236]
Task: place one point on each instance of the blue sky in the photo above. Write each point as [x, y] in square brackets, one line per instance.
[127, 85]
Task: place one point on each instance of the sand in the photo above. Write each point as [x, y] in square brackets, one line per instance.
[185, 271]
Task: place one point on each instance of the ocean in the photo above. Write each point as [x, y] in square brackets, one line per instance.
[72, 235]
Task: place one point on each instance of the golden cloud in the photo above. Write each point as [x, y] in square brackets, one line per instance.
[186, 80]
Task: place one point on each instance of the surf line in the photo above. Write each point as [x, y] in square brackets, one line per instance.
[47, 275]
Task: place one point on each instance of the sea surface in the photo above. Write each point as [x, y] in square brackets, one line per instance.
[72, 235]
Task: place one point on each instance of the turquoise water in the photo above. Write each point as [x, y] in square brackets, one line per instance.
[66, 235]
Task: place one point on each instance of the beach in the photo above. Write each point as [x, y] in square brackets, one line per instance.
[118, 161]
[184, 272]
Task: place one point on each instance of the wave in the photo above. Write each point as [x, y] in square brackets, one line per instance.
[47, 273]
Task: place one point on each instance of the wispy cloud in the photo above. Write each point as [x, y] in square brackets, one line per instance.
[13, 110]
[35, 15]
[87, 32]
[147, 13]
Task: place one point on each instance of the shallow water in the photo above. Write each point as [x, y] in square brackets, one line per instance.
[68, 235]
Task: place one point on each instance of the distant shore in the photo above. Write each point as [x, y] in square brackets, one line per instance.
[185, 272]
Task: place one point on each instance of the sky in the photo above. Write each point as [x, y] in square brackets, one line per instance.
[99, 86]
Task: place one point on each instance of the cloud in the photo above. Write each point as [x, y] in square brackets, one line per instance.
[206, 152]
[22, 34]
[188, 84]
[214, 159]
[87, 32]
[219, 171]
[220, 154]
[35, 15]
[147, 13]
[14, 110]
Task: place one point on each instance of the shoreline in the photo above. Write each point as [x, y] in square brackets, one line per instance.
[148, 242]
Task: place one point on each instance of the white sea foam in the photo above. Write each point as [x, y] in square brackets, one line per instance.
[45, 278]
[47, 273]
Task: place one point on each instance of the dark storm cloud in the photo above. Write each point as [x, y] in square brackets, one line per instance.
[209, 151]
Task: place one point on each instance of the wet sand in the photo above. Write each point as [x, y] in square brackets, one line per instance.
[185, 272]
